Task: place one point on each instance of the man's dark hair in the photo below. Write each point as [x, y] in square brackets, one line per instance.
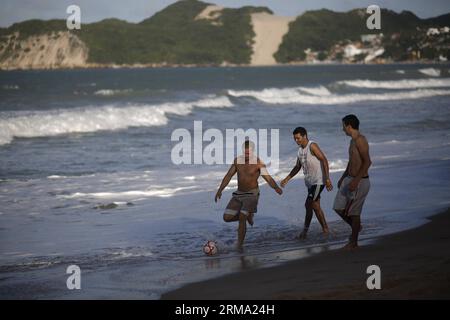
[300, 130]
[248, 144]
[351, 120]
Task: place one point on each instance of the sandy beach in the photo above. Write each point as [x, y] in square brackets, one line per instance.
[415, 264]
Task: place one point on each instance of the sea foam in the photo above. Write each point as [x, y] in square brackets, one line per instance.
[95, 118]
[298, 96]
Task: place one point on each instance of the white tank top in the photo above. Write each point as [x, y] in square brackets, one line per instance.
[312, 168]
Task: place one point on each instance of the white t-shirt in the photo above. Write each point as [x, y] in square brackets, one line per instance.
[312, 168]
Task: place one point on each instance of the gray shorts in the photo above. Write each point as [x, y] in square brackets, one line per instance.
[351, 202]
[243, 201]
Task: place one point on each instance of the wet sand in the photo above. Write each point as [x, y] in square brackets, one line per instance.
[415, 264]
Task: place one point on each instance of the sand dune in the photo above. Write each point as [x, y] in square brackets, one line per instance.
[211, 12]
[269, 30]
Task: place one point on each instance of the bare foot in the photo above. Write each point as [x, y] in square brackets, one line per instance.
[326, 232]
[302, 235]
[350, 246]
[250, 219]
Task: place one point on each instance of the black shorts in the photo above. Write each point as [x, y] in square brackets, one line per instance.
[315, 191]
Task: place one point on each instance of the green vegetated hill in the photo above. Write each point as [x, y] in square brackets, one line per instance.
[322, 29]
[175, 36]
[171, 36]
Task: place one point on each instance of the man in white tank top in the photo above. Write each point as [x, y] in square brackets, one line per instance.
[317, 176]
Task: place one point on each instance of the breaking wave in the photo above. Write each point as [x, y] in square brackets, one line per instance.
[398, 84]
[92, 119]
[111, 92]
[299, 96]
[432, 72]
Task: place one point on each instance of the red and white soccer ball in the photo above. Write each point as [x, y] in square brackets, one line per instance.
[210, 248]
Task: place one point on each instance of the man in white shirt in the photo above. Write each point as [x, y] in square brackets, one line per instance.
[317, 176]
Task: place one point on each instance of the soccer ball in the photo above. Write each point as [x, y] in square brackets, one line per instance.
[210, 248]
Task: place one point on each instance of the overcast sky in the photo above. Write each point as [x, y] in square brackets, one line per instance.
[136, 10]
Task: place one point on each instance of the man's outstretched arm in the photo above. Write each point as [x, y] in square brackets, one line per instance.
[266, 176]
[292, 174]
[226, 180]
[272, 183]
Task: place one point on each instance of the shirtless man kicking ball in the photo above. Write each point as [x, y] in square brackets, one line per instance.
[244, 202]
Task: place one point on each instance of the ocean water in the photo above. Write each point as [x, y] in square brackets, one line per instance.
[86, 175]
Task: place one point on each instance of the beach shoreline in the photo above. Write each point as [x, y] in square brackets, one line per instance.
[414, 264]
[98, 66]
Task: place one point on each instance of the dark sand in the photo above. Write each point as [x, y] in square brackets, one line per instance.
[415, 264]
